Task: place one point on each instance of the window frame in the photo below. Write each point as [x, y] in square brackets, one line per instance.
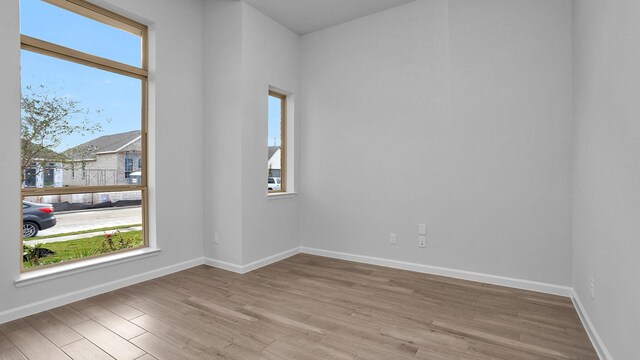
[283, 141]
[108, 17]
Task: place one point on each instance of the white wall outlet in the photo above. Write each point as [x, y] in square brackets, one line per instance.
[392, 238]
[592, 288]
[422, 229]
[216, 238]
[422, 241]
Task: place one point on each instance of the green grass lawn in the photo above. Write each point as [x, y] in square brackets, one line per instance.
[81, 248]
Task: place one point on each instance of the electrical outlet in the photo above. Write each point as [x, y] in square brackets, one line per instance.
[216, 238]
[422, 241]
[422, 229]
[392, 238]
[592, 288]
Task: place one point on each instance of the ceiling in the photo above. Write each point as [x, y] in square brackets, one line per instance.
[306, 16]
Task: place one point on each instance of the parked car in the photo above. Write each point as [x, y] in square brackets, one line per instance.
[274, 184]
[36, 217]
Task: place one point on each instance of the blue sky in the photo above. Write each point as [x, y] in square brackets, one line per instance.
[112, 100]
[275, 105]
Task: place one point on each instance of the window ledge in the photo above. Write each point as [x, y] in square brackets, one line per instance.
[38, 276]
[278, 196]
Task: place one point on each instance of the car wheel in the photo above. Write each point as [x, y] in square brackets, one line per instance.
[29, 229]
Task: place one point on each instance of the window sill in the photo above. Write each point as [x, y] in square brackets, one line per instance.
[279, 196]
[38, 276]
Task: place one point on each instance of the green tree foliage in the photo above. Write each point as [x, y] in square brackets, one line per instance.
[46, 120]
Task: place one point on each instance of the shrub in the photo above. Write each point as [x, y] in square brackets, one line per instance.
[116, 241]
[33, 253]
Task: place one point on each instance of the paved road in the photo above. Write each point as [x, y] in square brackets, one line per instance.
[94, 219]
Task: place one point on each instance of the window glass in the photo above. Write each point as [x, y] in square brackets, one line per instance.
[78, 115]
[53, 24]
[276, 142]
[84, 114]
[275, 119]
[62, 228]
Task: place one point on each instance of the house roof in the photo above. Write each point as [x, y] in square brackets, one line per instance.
[39, 152]
[104, 144]
[272, 150]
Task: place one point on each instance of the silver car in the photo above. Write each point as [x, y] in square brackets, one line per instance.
[36, 217]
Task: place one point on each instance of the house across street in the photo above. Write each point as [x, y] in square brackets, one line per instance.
[108, 160]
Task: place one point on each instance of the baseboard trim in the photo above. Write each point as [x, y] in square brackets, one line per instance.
[224, 265]
[596, 340]
[243, 269]
[44, 305]
[453, 273]
[270, 260]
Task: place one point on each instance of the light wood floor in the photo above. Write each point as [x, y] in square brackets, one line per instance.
[305, 307]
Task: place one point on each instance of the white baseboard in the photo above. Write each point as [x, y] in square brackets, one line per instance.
[43, 305]
[596, 340]
[224, 265]
[243, 269]
[453, 273]
[270, 260]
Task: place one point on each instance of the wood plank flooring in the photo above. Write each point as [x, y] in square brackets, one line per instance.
[305, 307]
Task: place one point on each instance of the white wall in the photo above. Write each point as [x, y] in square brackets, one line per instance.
[176, 113]
[247, 53]
[223, 129]
[454, 113]
[270, 58]
[606, 181]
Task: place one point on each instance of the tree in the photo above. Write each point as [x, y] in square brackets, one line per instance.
[46, 120]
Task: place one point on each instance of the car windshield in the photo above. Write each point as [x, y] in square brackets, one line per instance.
[271, 181]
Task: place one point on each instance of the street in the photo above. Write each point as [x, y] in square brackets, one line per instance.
[94, 219]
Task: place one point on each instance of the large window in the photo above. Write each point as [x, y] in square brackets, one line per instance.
[84, 109]
[277, 143]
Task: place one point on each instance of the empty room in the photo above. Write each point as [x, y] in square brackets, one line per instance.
[320, 179]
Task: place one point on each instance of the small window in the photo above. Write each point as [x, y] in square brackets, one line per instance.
[30, 177]
[277, 143]
[128, 165]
